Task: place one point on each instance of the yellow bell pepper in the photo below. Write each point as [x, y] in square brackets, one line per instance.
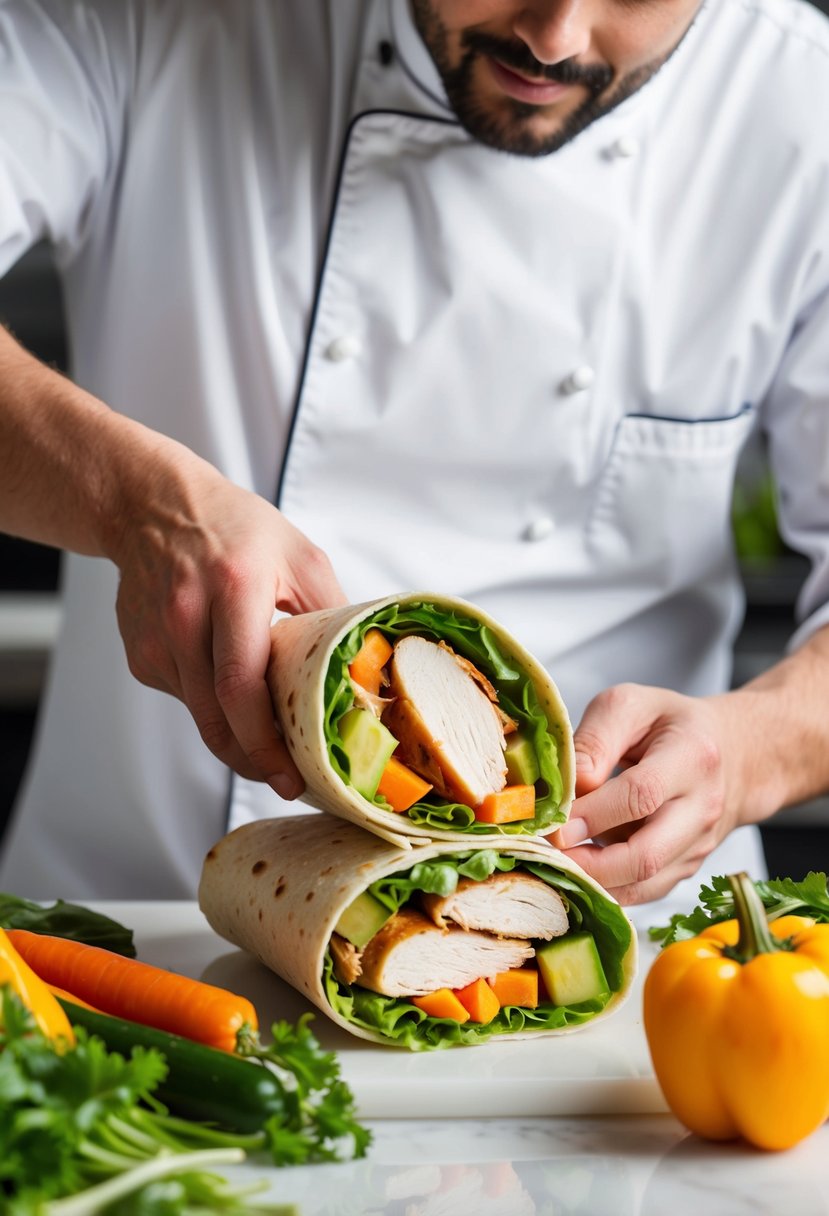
[33, 993]
[737, 1021]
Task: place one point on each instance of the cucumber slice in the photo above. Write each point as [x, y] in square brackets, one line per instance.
[363, 917]
[572, 970]
[368, 745]
[521, 760]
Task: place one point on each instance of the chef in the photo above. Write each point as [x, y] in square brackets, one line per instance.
[487, 296]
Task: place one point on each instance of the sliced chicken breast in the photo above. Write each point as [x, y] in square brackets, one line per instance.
[448, 729]
[513, 904]
[411, 956]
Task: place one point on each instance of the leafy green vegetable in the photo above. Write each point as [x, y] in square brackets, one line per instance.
[63, 919]
[780, 896]
[82, 1132]
[516, 696]
[320, 1112]
[401, 1021]
[76, 1122]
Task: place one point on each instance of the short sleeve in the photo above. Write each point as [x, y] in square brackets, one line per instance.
[65, 71]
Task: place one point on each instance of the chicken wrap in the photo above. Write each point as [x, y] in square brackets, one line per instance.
[418, 716]
[442, 945]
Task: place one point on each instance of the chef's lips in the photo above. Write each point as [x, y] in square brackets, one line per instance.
[313, 692]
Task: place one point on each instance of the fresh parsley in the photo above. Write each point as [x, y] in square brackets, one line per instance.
[82, 1133]
[780, 896]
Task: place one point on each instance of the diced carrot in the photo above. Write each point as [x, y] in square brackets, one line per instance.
[509, 804]
[479, 1001]
[517, 987]
[400, 787]
[369, 661]
[442, 1004]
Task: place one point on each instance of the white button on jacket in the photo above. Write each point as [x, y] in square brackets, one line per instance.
[346, 347]
[282, 188]
[540, 528]
[625, 147]
[579, 380]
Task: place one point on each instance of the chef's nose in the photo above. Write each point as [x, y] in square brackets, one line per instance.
[554, 29]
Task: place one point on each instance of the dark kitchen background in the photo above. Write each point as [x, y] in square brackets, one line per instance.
[797, 840]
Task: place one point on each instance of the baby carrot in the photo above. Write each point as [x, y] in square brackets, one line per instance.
[138, 992]
[366, 666]
[516, 987]
[511, 803]
[442, 1003]
[400, 787]
[63, 995]
[479, 1001]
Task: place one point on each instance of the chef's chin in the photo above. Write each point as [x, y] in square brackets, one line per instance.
[524, 129]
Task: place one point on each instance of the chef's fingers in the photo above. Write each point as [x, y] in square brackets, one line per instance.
[149, 657]
[306, 580]
[615, 723]
[241, 650]
[653, 859]
[633, 795]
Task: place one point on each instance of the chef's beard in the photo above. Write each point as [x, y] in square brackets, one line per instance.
[509, 127]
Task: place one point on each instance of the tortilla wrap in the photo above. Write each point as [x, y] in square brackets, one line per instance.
[278, 887]
[308, 681]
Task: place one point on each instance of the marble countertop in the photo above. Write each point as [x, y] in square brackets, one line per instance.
[579, 1160]
[623, 1165]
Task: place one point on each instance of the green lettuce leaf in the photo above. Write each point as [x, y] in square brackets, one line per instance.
[404, 1023]
[516, 696]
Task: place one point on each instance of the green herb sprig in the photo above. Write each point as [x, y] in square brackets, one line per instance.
[780, 897]
[82, 1133]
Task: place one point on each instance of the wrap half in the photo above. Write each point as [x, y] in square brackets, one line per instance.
[370, 932]
[456, 704]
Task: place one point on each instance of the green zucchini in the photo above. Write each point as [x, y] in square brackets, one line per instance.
[203, 1083]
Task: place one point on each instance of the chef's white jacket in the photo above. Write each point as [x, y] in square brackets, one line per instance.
[522, 381]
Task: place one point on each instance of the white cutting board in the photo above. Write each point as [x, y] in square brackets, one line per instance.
[601, 1069]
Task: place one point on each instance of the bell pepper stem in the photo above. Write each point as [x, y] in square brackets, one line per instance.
[755, 936]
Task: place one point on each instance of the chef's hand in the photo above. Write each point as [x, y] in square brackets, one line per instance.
[670, 802]
[202, 570]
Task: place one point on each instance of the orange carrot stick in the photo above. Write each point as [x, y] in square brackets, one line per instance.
[137, 992]
[509, 804]
[400, 787]
[442, 1003]
[68, 996]
[516, 987]
[479, 1001]
[369, 661]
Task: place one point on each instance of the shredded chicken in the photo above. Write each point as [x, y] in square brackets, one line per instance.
[364, 699]
[346, 958]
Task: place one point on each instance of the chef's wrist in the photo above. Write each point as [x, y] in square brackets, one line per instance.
[775, 734]
[149, 488]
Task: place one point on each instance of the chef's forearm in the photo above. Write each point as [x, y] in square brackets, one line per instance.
[777, 730]
[71, 469]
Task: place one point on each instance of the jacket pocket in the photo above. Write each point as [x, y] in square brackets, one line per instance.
[662, 507]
